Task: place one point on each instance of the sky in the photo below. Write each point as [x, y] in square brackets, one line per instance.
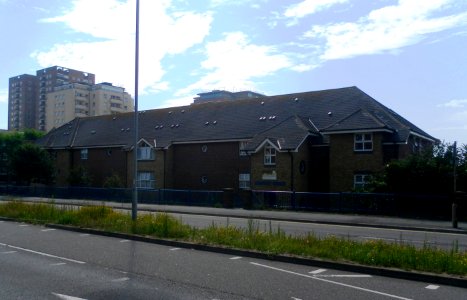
[410, 55]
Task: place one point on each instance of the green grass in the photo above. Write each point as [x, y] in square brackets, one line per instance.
[267, 240]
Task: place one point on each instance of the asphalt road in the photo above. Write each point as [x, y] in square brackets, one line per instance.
[42, 263]
[416, 238]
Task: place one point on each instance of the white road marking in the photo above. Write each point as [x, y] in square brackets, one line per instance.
[23, 225]
[84, 234]
[432, 287]
[43, 254]
[330, 281]
[348, 276]
[66, 297]
[236, 257]
[296, 298]
[174, 249]
[317, 271]
[9, 252]
[124, 241]
[121, 279]
[50, 229]
[58, 264]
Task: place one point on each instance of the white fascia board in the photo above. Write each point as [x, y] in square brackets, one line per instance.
[210, 141]
[357, 131]
[96, 147]
[420, 136]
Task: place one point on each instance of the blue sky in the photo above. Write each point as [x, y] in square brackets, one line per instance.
[408, 54]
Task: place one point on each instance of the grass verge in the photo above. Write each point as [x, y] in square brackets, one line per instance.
[267, 240]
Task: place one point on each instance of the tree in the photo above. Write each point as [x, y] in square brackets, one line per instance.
[31, 164]
[79, 177]
[431, 171]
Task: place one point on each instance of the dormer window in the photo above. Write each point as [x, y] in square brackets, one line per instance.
[145, 151]
[269, 155]
[363, 142]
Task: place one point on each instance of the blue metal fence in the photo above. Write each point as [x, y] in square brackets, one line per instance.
[403, 205]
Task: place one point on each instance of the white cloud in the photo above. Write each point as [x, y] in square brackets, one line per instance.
[233, 61]
[386, 29]
[308, 7]
[112, 25]
[456, 103]
[3, 95]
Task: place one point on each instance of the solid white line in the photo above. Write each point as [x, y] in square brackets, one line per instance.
[348, 276]
[46, 230]
[174, 249]
[317, 271]
[121, 279]
[65, 297]
[432, 287]
[235, 257]
[330, 281]
[44, 254]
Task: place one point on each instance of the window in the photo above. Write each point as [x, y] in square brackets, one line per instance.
[244, 180]
[242, 149]
[145, 152]
[363, 142]
[269, 155]
[360, 180]
[84, 154]
[145, 180]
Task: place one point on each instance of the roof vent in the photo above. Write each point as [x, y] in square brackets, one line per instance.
[183, 111]
[214, 122]
[172, 126]
[262, 118]
[207, 123]
[295, 99]
[162, 126]
[114, 118]
[330, 113]
[93, 132]
[262, 102]
[170, 112]
[156, 127]
[128, 129]
[123, 129]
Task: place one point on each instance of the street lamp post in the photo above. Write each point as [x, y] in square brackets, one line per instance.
[134, 204]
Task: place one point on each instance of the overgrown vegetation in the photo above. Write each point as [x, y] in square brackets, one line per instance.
[429, 172]
[267, 240]
[25, 162]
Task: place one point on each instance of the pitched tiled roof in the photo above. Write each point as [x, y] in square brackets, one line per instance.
[284, 119]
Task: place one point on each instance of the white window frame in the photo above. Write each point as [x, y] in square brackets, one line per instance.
[242, 146]
[145, 151]
[270, 155]
[145, 180]
[84, 154]
[363, 142]
[360, 180]
[244, 181]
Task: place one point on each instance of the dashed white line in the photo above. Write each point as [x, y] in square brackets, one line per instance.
[121, 279]
[296, 298]
[84, 234]
[432, 287]
[23, 225]
[124, 241]
[235, 257]
[317, 271]
[66, 297]
[174, 249]
[58, 264]
[46, 230]
[9, 252]
[330, 281]
[43, 254]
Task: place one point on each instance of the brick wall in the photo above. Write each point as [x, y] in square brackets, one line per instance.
[344, 162]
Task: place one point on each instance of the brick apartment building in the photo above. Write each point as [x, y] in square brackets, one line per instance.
[330, 140]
